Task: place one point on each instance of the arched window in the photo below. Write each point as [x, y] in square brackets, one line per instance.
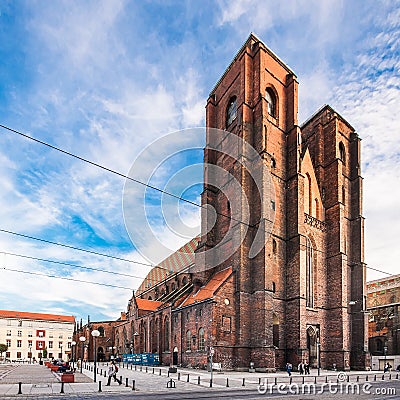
[342, 152]
[307, 195]
[274, 246]
[201, 340]
[309, 275]
[166, 334]
[101, 330]
[188, 340]
[231, 111]
[275, 330]
[271, 102]
[317, 214]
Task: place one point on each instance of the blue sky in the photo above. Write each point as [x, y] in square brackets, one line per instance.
[105, 79]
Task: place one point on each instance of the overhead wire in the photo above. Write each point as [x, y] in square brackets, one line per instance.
[136, 181]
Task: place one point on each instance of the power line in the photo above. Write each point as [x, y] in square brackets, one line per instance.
[75, 248]
[133, 180]
[71, 265]
[65, 278]
[115, 172]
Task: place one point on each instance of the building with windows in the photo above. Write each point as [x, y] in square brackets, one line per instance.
[384, 323]
[31, 336]
[300, 296]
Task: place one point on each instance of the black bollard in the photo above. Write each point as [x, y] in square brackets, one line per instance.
[198, 380]
[227, 382]
[133, 385]
[62, 387]
[290, 381]
[276, 381]
[179, 376]
[99, 386]
[105, 374]
[135, 367]
[153, 370]
[390, 377]
[19, 387]
[383, 377]
[243, 382]
[101, 371]
[126, 382]
[259, 381]
[358, 378]
[348, 378]
[146, 369]
[366, 378]
[168, 373]
[375, 378]
[160, 371]
[120, 378]
[315, 380]
[210, 382]
[187, 378]
[141, 368]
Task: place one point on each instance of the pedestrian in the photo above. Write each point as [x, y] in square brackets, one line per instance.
[112, 373]
[300, 368]
[306, 368]
[289, 369]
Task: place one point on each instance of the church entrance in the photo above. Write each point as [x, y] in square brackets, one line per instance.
[312, 346]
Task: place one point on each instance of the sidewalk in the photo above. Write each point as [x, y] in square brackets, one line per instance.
[39, 380]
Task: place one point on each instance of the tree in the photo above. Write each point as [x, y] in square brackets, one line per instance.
[45, 352]
[3, 348]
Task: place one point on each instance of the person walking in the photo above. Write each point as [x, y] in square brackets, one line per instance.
[289, 369]
[112, 373]
[306, 368]
[300, 368]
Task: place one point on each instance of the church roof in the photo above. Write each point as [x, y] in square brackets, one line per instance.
[176, 262]
[208, 290]
[148, 305]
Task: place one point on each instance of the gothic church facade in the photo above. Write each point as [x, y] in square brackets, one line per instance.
[302, 296]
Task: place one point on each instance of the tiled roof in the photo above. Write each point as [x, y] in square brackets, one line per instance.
[36, 316]
[148, 305]
[208, 290]
[182, 258]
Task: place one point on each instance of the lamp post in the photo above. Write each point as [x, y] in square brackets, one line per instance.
[73, 344]
[82, 339]
[95, 335]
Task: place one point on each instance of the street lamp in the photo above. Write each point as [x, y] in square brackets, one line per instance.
[73, 344]
[95, 335]
[82, 340]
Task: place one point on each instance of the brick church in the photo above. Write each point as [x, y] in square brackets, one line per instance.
[301, 296]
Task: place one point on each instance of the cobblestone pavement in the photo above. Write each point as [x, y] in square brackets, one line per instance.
[38, 382]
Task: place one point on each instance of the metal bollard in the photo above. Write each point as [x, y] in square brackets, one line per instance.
[390, 377]
[62, 387]
[243, 382]
[153, 370]
[358, 378]
[120, 378]
[179, 376]
[276, 381]
[135, 367]
[19, 387]
[227, 382]
[210, 382]
[290, 380]
[99, 386]
[126, 382]
[187, 378]
[198, 380]
[160, 371]
[366, 378]
[168, 373]
[259, 381]
[315, 380]
[133, 385]
[105, 374]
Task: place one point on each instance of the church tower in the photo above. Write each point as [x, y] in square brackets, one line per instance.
[300, 296]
